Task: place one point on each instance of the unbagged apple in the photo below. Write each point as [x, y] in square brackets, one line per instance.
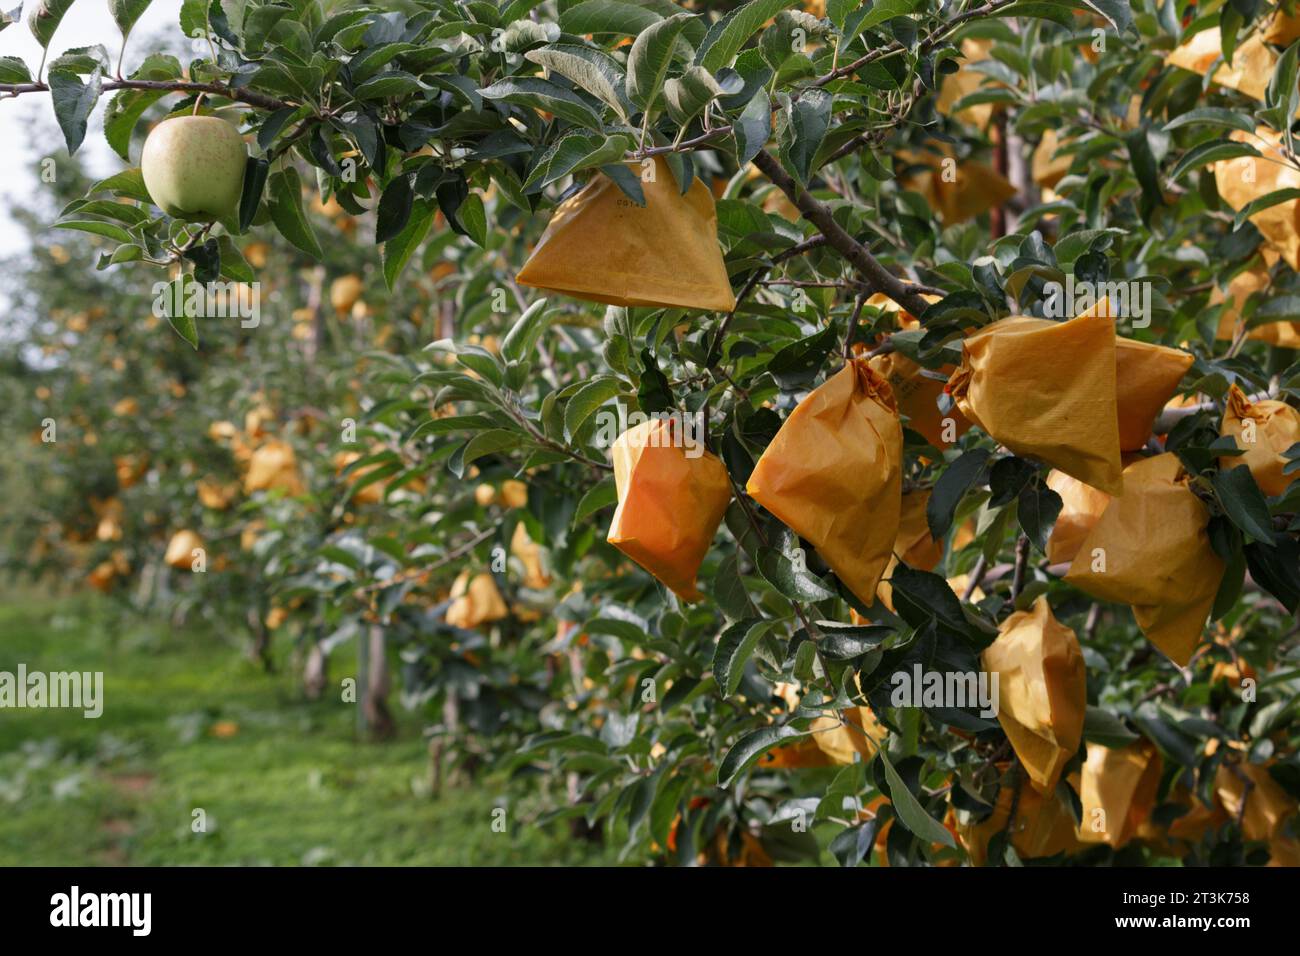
[193, 167]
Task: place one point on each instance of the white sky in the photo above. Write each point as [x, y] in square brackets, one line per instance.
[87, 23]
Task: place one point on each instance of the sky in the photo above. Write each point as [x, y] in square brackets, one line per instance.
[87, 23]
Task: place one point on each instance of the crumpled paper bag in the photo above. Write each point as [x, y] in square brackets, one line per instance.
[1118, 791]
[1042, 690]
[833, 475]
[1267, 810]
[1146, 377]
[530, 555]
[1157, 556]
[957, 86]
[1047, 167]
[1246, 178]
[913, 543]
[475, 601]
[1043, 826]
[1015, 383]
[273, 466]
[180, 549]
[973, 188]
[1252, 62]
[1081, 508]
[601, 246]
[1241, 287]
[1276, 427]
[669, 504]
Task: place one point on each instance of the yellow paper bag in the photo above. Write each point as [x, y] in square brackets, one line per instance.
[1241, 287]
[956, 189]
[1118, 791]
[1265, 429]
[1042, 690]
[1081, 508]
[529, 553]
[840, 740]
[475, 601]
[273, 466]
[602, 247]
[1252, 62]
[1267, 809]
[959, 85]
[1015, 383]
[1150, 549]
[833, 474]
[1247, 178]
[1043, 826]
[1146, 377]
[669, 503]
[180, 549]
[1283, 28]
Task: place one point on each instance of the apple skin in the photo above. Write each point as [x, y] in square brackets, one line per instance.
[193, 167]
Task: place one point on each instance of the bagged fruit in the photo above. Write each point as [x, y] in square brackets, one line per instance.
[1252, 62]
[1247, 178]
[602, 247]
[1042, 690]
[1046, 390]
[475, 600]
[1081, 507]
[833, 475]
[669, 504]
[1265, 430]
[1043, 825]
[1150, 549]
[1118, 791]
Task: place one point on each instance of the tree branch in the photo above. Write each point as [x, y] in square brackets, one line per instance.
[251, 97]
[904, 293]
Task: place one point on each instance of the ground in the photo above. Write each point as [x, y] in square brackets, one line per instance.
[188, 724]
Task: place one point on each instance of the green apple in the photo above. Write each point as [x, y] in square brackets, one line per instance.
[193, 167]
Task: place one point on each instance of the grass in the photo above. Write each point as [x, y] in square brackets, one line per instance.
[190, 725]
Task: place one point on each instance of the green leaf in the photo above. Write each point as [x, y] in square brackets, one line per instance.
[255, 173]
[652, 54]
[910, 813]
[285, 206]
[45, 17]
[538, 94]
[586, 400]
[810, 118]
[395, 206]
[686, 96]
[397, 251]
[1211, 152]
[753, 128]
[523, 335]
[594, 71]
[601, 495]
[728, 35]
[751, 746]
[106, 229]
[1117, 12]
[233, 264]
[473, 217]
[883, 10]
[1213, 116]
[795, 583]
[607, 16]
[1243, 502]
[1103, 727]
[123, 112]
[1274, 198]
[73, 102]
[8, 18]
[951, 487]
[174, 306]
[735, 647]
[1037, 511]
[127, 183]
[14, 70]
[127, 12]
